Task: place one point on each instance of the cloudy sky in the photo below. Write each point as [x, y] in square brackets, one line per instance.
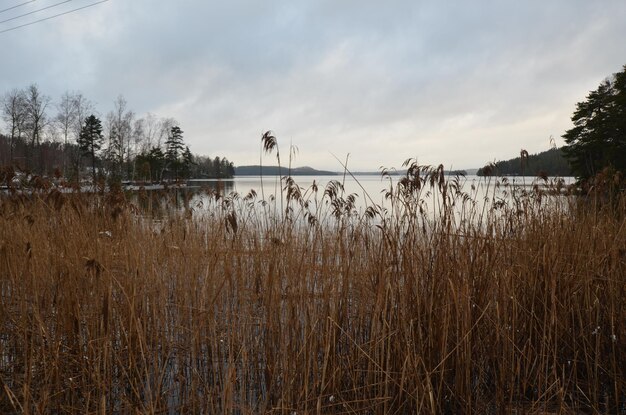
[456, 82]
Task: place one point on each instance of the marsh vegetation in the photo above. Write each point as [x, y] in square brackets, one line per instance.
[435, 304]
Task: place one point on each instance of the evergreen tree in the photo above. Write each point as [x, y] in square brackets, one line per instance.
[187, 162]
[550, 163]
[217, 167]
[173, 149]
[598, 139]
[90, 140]
[157, 162]
[150, 164]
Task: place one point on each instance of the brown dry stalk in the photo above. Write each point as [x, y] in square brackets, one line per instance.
[516, 306]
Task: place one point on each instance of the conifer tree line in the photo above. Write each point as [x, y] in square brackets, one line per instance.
[70, 139]
[595, 144]
[548, 163]
[598, 139]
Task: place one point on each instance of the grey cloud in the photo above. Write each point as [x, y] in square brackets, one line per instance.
[459, 83]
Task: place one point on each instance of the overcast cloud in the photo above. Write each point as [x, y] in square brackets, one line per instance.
[460, 83]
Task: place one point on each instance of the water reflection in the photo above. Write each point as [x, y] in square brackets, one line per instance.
[474, 194]
[161, 202]
[222, 186]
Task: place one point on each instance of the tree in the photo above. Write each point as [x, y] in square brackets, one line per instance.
[150, 164]
[36, 106]
[66, 118]
[14, 114]
[120, 123]
[90, 140]
[598, 138]
[207, 167]
[173, 149]
[187, 162]
[550, 163]
[217, 167]
[83, 108]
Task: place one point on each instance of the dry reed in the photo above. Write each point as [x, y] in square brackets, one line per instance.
[511, 305]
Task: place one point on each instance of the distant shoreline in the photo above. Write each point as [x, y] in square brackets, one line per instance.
[257, 170]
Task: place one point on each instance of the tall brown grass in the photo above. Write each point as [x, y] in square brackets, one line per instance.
[439, 303]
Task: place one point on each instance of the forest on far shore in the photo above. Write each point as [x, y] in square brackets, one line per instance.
[71, 140]
[547, 163]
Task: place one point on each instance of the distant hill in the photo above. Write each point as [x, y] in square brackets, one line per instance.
[255, 170]
[402, 172]
[551, 163]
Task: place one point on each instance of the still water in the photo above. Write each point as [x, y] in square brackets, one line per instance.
[363, 190]
[367, 188]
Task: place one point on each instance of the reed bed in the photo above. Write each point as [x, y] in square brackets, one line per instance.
[439, 303]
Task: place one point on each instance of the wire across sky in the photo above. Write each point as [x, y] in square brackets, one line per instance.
[16, 6]
[43, 9]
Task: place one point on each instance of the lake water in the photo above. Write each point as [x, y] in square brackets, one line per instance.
[368, 187]
[366, 190]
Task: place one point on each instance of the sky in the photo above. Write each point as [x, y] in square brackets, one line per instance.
[460, 83]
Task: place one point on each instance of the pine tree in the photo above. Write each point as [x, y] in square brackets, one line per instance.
[90, 140]
[187, 162]
[598, 139]
[157, 161]
[173, 149]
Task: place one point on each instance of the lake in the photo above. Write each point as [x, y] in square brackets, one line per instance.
[362, 190]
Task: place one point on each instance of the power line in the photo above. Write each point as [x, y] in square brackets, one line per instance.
[35, 11]
[52, 17]
[19, 5]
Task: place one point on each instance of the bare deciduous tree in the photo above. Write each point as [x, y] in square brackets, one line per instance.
[36, 106]
[14, 115]
[120, 123]
[84, 108]
[165, 127]
[67, 114]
